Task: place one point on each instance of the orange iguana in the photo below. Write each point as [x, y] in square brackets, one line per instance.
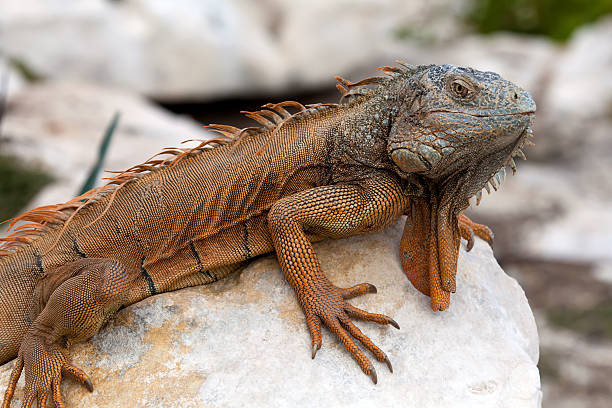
[420, 141]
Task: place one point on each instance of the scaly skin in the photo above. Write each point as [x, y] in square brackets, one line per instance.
[420, 142]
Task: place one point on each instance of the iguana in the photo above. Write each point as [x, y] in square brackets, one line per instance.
[420, 141]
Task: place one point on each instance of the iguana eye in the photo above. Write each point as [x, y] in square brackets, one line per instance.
[460, 89]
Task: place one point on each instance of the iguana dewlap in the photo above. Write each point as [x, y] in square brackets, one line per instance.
[421, 142]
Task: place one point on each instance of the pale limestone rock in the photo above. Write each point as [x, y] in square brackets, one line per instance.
[580, 84]
[526, 61]
[569, 216]
[344, 37]
[243, 342]
[575, 99]
[203, 48]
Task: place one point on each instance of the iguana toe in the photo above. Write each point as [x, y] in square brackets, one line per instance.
[79, 375]
[373, 375]
[315, 348]
[468, 229]
[388, 364]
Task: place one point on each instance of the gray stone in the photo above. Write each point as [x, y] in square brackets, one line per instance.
[243, 341]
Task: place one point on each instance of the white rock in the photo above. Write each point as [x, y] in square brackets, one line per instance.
[243, 342]
[152, 47]
[575, 97]
[580, 83]
[201, 49]
[351, 36]
[195, 48]
[568, 215]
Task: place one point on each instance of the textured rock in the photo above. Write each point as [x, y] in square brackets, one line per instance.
[243, 342]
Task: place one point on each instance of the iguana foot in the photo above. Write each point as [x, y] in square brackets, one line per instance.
[44, 364]
[327, 305]
[468, 229]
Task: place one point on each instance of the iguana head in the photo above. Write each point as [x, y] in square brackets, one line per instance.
[458, 120]
[451, 134]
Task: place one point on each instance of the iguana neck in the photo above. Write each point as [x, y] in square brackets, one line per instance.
[362, 134]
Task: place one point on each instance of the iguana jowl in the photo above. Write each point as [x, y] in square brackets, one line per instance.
[421, 141]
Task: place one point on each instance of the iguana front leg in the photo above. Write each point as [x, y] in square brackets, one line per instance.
[78, 298]
[333, 211]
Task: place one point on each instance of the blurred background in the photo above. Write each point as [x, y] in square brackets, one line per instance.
[167, 67]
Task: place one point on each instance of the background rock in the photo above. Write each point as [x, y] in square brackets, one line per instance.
[580, 82]
[59, 126]
[575, 108]
[200, 49]
[243, 342]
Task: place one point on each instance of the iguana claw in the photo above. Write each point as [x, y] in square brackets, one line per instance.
[315, 348]
[357, 290]
[392, 322]
[389, 364]
[79, 375]
[468, 229]
[373, 375]
[89, 385]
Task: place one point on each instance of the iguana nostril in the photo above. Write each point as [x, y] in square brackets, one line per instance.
[515, 96]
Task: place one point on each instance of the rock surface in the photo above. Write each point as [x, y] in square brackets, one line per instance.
[243, 342]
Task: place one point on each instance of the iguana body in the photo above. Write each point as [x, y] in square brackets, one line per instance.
[421, 143]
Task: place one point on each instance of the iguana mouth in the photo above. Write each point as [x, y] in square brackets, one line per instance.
[424, 152]
[485, 115]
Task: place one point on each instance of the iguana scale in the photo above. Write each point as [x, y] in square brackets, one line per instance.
[420, 141]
